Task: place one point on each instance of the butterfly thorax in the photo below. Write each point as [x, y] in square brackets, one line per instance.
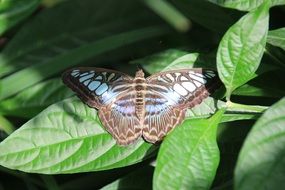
[140, 89]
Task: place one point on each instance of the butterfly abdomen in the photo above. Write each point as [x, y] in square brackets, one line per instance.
[140, 89]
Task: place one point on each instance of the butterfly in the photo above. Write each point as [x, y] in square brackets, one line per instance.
[130, 108]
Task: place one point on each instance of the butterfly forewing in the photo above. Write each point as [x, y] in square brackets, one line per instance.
[184, 88]
[97, 87]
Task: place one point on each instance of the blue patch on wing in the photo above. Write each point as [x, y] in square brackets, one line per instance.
[101, 89]
[93, 85]
[81, 79]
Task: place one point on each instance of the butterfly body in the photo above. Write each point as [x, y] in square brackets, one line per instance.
[133, 107]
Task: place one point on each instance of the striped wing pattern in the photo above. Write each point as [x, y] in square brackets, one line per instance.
[160, 117]
[166, 96]
[110, 92]
[120, 120]
[95, 86]
[170, 94]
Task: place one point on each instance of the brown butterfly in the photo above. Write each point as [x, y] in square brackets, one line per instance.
[133, 107]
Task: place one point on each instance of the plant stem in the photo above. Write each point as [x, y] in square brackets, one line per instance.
[231, 106]
[6, 125]
[170, 14]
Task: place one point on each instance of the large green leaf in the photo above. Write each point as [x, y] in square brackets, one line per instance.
[241, 49]
[277, 37]
[189, 156]
[66, 138]
[33, 100]
[13, 11]
[261, 162]
[246, 5]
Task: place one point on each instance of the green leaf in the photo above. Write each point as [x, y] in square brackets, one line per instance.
[277, 38]
[13, 11]
[159, 61]
[139, 180]
[189, 156]
[34, 99]
[261, 163]
[245, 5]
[205, 109]
[67, 137]
[241, 49]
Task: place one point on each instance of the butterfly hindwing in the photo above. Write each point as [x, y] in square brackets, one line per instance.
[96, 87]
[120, 119]
[160, 117]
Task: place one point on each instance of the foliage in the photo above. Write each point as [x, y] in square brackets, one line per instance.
[226, 142]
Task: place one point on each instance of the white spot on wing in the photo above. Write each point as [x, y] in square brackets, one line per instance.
[111, 76]
[177, 74]
[200, 75]
[198, 84]
[180, 90]
[189, 86]
[86, 77]
[169, 76]
[161, 79]
[199, 79]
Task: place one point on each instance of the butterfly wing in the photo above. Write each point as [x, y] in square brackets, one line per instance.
[112, 93]
[168, 96]
[95, 86]
[160, 117]
[120, 119]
